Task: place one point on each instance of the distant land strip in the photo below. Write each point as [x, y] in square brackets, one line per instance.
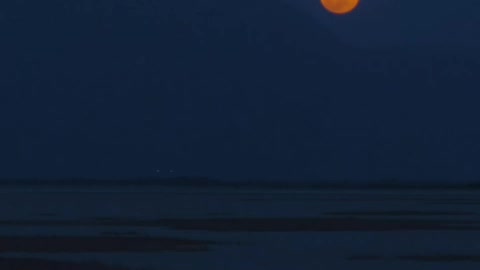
[268, 224]
[258, 183]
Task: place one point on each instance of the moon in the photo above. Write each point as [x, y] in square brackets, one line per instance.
[340, 7]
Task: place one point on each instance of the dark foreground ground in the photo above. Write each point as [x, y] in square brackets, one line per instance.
[42, 264]
[182, 228]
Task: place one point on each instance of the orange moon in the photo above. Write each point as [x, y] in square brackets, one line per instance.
[340, 7]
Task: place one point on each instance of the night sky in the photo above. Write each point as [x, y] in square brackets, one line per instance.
[253, 89]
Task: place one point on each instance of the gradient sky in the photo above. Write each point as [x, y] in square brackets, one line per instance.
[403, 23]
[411, 22]
[260, 89]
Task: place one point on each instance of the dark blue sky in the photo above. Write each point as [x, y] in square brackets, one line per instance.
[252, 89]
[403, 22]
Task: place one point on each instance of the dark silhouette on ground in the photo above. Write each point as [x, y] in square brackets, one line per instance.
[401, 213]
[99, 244]
[46, 264]
[438, 258]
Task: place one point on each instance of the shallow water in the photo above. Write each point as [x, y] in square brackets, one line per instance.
[185, 228]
